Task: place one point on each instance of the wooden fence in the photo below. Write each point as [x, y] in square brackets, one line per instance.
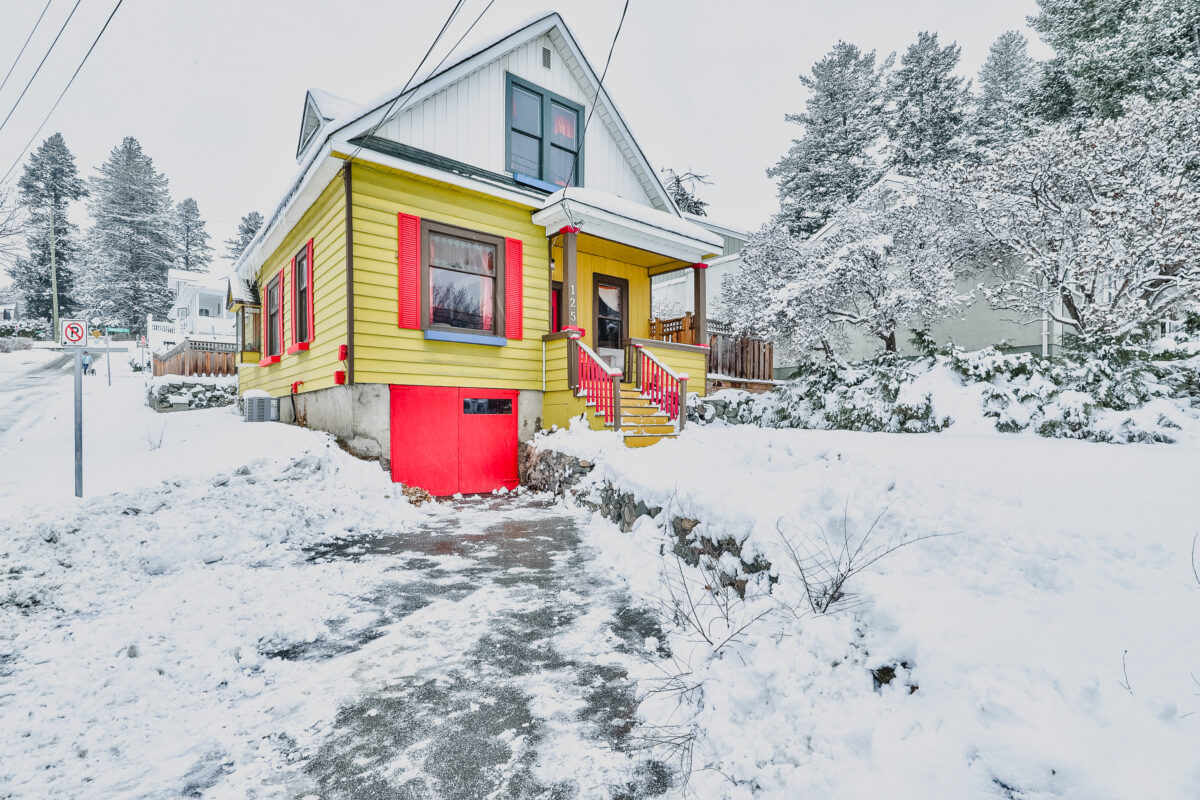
[197, 358]
[736, 357]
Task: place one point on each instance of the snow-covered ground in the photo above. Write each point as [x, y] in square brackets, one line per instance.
[1044, 642]
[258, 614]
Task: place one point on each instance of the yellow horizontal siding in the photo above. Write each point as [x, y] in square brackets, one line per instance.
[324, 223]
[678, 361]
[560, 407]
[385, 353]
[590, 265]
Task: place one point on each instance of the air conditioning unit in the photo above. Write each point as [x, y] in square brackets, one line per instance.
[260, 409]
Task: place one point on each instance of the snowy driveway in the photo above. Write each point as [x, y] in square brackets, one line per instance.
[502, 673]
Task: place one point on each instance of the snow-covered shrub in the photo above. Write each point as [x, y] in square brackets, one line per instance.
[14, 343]
[1107, 391]
[36, 329]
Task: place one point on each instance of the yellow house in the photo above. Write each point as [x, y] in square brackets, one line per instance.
[461, 264]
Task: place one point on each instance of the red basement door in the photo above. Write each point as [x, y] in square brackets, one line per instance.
[450, 440]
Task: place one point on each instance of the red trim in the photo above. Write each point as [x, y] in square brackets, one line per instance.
[343, 352]
[700, 266]
[568, 229]
[312, 331]
[282, 321]
[292, 272]
[268, 361]
[575, 328]
[339, 376]
[296, 386]
[408, 275]
[298, 347]
[514, 286]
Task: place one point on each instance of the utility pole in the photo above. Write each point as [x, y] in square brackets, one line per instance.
[54, 274]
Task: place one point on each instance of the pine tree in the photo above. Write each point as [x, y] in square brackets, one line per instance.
[49, 182]
[195, 253]
[927, 119]
[1054, 97]
[1115, 49]
[833, 161]
[248, 226]
[131, 244]
[1006, 84]
[682, 188]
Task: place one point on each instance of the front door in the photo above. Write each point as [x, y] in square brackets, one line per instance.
[611, 303]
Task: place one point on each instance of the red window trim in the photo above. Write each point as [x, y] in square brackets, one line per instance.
[282, 321]
[308, 309]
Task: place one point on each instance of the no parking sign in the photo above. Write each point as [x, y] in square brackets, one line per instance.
[73, 332]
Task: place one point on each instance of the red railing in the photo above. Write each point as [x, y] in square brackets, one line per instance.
[660, 385]
[598, 382]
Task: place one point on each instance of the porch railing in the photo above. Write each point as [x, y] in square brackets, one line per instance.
[596, 381]
[197, 358]
[733, 356]
[665, 388]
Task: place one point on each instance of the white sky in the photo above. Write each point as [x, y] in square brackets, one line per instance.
[214, 89]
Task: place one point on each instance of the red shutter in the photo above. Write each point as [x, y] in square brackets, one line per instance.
[282, 316]
[514, 285]
[409, 272]
[264, 295]
[312, 331]
[291, 270]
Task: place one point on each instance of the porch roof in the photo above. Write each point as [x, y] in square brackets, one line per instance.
[614, 218]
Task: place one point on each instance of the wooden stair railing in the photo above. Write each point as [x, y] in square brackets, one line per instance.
[599, 383]
[662, 386]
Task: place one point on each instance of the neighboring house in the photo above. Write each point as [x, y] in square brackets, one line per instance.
[198, 322]
[10, 311]
[674, 293]
[462, 264]
[976, 326]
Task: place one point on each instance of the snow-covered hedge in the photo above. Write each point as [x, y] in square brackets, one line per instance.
[1118, 393]
[14, 343]
[178, 392]
[37, 329]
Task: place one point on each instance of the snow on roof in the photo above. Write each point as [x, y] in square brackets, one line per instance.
[330, 105]
[633, 211]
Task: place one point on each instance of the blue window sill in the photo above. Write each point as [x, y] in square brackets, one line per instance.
[529, 180]
[466, 338]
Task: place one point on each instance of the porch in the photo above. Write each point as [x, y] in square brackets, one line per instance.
[734, 362]
[600, 358]
[197, 358]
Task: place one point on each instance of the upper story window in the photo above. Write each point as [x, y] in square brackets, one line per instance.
[464, 276]
[542, 136]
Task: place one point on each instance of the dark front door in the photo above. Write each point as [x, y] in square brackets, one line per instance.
[611, 324]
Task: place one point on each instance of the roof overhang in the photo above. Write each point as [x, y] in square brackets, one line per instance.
[650, 229]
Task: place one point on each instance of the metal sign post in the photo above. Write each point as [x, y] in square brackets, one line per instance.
[108, 356]
[78, 420]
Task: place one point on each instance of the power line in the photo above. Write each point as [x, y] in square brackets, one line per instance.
[46, 8]
[453, 13]
[40, 63]
[46, 118]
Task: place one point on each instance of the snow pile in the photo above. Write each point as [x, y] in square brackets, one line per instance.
[1031, 639]
[137, 632]
[175, 392]
[1115, 396]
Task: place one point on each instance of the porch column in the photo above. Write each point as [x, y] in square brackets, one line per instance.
[569, 313]
[701, 305]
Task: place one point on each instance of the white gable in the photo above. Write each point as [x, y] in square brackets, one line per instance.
[465, 120]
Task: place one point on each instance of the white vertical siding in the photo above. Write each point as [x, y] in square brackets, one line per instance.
[465, 121]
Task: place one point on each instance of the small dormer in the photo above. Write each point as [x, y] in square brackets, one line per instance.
[319, 107]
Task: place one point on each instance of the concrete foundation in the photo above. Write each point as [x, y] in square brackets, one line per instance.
[360, 415]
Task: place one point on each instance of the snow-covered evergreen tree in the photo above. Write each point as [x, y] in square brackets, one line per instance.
[1006, 83]
[248, 226]
[888, 262]
[1112, 50]
[191, 237]
[131, 244]
[1099, 227]
[682, 188]
[834, 159]
[50, 180]
[928, 109]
